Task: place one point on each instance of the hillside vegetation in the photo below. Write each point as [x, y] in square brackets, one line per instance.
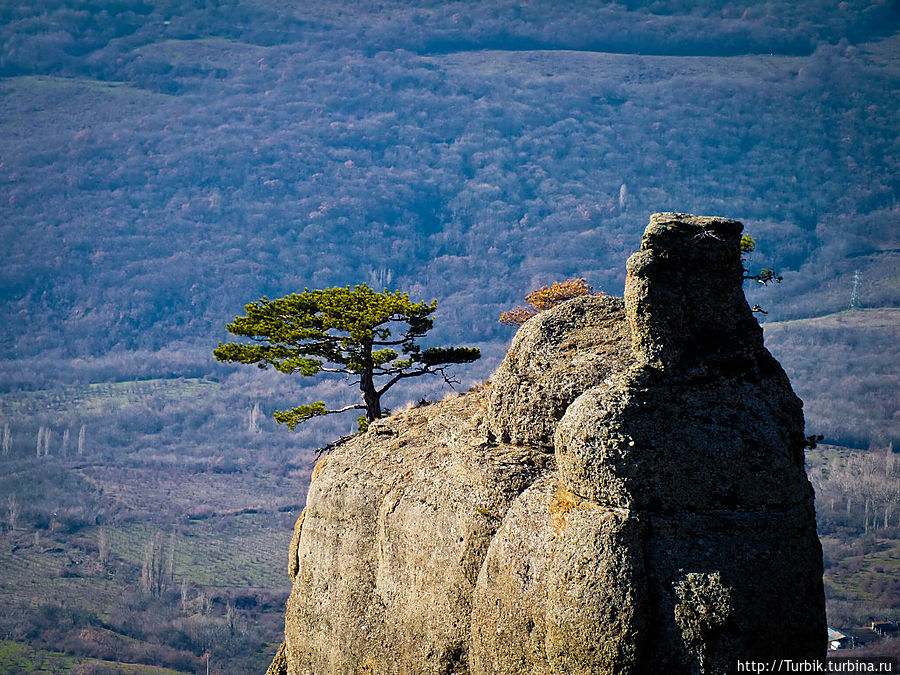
[162, 164]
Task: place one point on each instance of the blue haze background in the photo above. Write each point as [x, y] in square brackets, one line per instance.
[164, 163]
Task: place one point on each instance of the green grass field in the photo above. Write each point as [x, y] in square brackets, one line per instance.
[866, 318]
[100, 398]
[34, 574]
[17, 658]
[239, 551]
[858, 576]
[843, 365]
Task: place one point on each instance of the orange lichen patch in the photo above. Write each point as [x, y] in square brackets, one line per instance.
[318, 467]
[561, 504]
[293, 557]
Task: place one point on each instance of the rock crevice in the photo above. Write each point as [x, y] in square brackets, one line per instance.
[627, 495]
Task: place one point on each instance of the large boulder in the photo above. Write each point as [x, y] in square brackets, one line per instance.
[395, 530]
[554, 357]
[626, 496]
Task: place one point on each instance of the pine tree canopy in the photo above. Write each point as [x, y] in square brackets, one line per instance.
[355, 331]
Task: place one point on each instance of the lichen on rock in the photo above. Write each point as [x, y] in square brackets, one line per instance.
[703, 614]
[627, 495]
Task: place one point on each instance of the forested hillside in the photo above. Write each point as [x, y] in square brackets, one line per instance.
[164, 163]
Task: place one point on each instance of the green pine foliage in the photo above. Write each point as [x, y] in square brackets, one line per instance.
[765, 276]
[354, 331]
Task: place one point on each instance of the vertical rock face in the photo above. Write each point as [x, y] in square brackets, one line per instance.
[700, 447]
[626, 496]
[685, 304]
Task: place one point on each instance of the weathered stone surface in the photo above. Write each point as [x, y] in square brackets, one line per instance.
[396, 527]
[683, 291]
[509, 630]
[279, 663]
[771, 562]
[554, 357]
[561, 590]
[596, 606]
[702, 442]
[683, 447]
[672, 530]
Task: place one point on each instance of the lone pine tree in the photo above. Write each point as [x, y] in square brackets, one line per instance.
[765, 275]
[357, 331]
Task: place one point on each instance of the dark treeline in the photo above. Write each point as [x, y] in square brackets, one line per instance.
[97, 38]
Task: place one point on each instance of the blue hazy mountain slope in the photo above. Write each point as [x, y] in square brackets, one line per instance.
[163, 164]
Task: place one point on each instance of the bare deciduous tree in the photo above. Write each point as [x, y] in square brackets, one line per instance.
[42, 448]
[153, 571]
[7, 440]
[185, 592]
[13, 509]
[102, 547]
[863, 477]
[255, 413]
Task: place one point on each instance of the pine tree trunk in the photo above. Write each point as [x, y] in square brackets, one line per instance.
[370, 397]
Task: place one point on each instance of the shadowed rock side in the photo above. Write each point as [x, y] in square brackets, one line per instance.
[626, 496]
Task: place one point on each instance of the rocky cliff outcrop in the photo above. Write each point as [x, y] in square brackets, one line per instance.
[627, 495]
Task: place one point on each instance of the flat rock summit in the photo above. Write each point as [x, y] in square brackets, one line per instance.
[626, 495]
